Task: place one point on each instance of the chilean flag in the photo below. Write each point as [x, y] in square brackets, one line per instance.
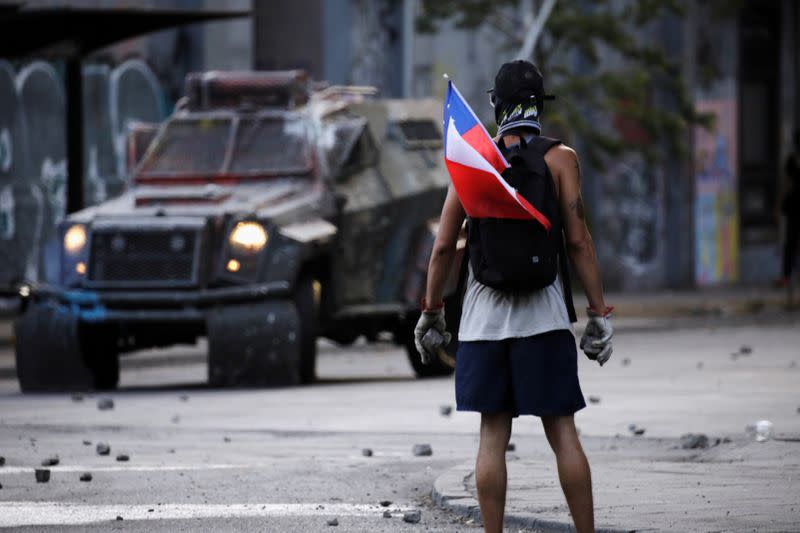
[475, 164]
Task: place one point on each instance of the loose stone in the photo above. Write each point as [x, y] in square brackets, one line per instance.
[692, 441]
[366, 452]
[387, 514]
[123, 457]
[445, 410]
[42, 475]
[594, 399]
[53, 460]
[333, 522]
[104, 404]
[511, 447]
[102, 448]
[422, 450]
[412, 517]
[385, 503]
[86, 477]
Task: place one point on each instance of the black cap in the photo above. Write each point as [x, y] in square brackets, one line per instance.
[519, 80]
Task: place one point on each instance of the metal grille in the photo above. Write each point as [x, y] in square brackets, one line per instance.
[136, 258]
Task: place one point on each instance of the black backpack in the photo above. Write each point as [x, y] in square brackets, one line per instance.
[513, 255]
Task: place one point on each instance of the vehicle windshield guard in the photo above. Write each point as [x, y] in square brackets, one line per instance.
[253, 146]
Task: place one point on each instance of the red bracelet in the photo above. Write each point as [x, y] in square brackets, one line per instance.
[425, 307]
[591, 311]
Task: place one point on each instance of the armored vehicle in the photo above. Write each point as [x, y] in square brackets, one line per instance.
[265, 213]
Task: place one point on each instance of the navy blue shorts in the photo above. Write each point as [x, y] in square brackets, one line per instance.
[536, 375]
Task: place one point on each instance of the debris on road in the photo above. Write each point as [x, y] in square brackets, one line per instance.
[626, 361]
[445, 410]
[87, 443]
[184, 397]
[366, 452]
[761, 430]
[119, 518]
[42, 475]
[693, 441]
[387, 514]
[594, 399]
[77, 397]
[511, 447]
[123, 457]
[226, 439]
[333, 522]
[53, 460]
[175, 419]
[412, 517]
[86, 476]
[636, 430]
[102, 448]
[1, 485]
[105, 404]
[745, 349]
[385, 503]
[422, 450]
[3, 459]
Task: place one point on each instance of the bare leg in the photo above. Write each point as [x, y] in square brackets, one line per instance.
[490, 470]
[573, 469]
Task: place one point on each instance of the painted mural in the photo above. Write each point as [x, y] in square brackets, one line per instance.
[33, 165]
[715, 211]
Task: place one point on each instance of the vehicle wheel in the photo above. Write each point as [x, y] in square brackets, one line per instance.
[102, 355]
[254, 345]
[308, 315]
[436, 367]
[48, 351]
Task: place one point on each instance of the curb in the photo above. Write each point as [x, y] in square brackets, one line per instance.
[450, 493]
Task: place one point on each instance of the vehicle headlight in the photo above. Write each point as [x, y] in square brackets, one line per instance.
[248, 236]
[75, 239]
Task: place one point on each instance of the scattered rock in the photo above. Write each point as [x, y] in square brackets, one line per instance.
[639, 432]
[77, 397]
[693, 441]
[412, 517]
[53, 460]
[226, 439]
[385, 503]
[184, 397]
[333, 522]
[626, 361]
[3, 459]
[366, 452]
[119, 518]
[87, 443]
[744, 349]
[86, 477]
[123, 457]
[1, 485]
[594, 399]
[387, 514]
[175, 419]
[510, 447]
[700, 365]
[422, 450]
[445, 410]
[171, 450]
[104, 404]
[42, 475]
[102, 448]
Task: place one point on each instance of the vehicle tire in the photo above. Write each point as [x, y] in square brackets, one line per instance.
[308, 315]
[254, 345]
[437, 367]
[102, 355]
[48, 351]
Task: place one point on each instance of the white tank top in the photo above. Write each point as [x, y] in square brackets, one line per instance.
[490, 315]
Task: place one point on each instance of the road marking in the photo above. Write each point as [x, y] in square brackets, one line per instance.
[18, 514]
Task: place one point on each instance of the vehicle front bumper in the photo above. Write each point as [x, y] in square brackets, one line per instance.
[153, 306]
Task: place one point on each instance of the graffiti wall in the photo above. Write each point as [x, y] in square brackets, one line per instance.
[715, 213]
[33, 166]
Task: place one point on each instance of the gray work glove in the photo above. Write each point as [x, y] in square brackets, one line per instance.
[596, 339]
[430, 319]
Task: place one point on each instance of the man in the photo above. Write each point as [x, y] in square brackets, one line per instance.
[791, 210]
[516, 350]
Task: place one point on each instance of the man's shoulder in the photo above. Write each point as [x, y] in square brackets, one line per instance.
[560, 157]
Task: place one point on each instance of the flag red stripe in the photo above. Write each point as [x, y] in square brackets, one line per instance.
[482, 196]
[535, 213]
[483, 144]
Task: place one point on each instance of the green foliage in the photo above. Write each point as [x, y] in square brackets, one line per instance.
[600, 59]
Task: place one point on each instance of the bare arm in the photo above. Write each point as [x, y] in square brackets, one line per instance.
[580, 247]
[444, 247]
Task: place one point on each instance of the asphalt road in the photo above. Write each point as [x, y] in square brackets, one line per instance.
[291, 459]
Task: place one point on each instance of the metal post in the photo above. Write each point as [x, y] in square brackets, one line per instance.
[74, 125]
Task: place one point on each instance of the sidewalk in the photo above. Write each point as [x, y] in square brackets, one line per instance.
[645, 484]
